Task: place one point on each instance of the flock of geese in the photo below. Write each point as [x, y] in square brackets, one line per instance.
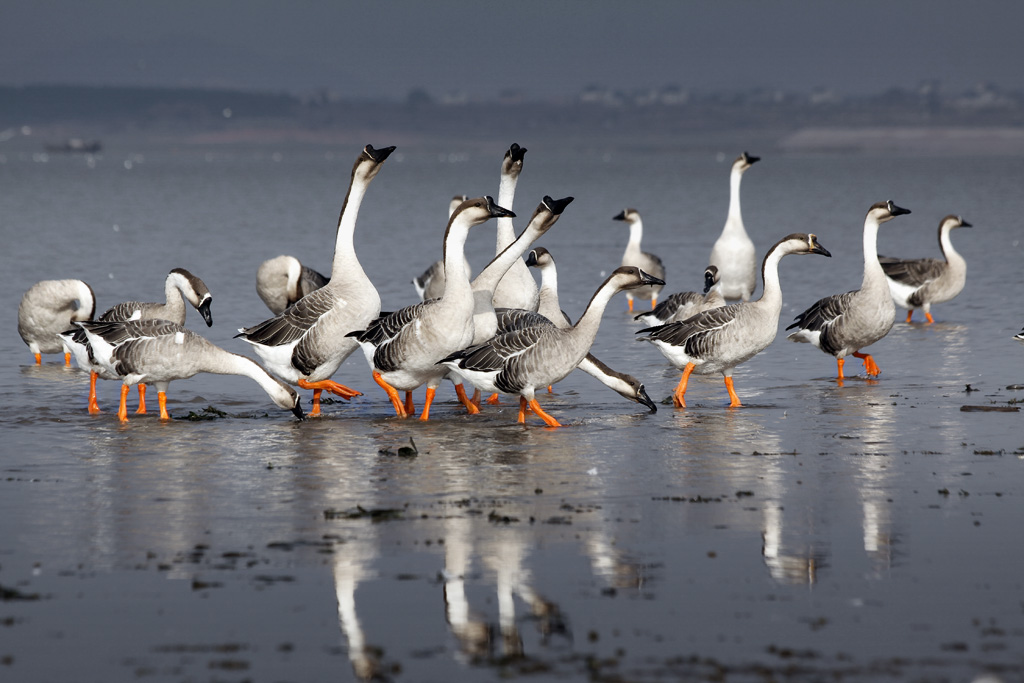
[498, 331]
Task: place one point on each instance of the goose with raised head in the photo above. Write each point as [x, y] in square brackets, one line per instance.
[517, 288]
[283, 280]
[48, 308]
[843, 324]
[521, 360]
[306, 343]
[430, 283]
[719, 339]
[160, 351]
[733, 252]
[179, 286]
[635, 256]
[682, 305]
[919, 283]
[404, 347]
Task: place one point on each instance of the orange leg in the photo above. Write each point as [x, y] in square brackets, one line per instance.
[39, 359]
[122, 410]
[551, 389]
[93, 406]
[493, 400]
[410, 407]
[392, 393]
[548, 420]
[679, 396]
[67, 359]
[929, 317]
[630, 301]
[734, 400]
[332, 387]
[654, 302]
[910, 314]
[315, 412]
[869, 363]
[161, 399]
[460, 391]
[425, 415]
[476, 398]
[522, 410]
[839, 366]
[142, 400]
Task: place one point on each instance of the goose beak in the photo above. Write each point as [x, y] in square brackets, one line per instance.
[648, 279]
[965, 224]
[620, 216]
[897, 210]
[531, 260]
[814, 247]
[204, 310]
[751, 159]
[378, 155]
[709, 282]
[642, 397]
[297, 410]
[498, 211]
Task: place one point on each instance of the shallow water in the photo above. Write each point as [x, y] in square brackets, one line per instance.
[865, 532]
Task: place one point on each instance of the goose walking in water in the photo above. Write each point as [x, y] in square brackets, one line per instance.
[919, 283]
[404, 347]
[430, 283]
[50, 307]
[843, 324]
[682, 305]
[283, 280]
[719, 339]
[733, 252]
[521, 360]
[306, 343]
[634, 256]
[517, 288]
[179, 286]
[160, 351]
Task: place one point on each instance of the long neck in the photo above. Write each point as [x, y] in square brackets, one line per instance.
[491, 275]
[585, 329]
[953, 257]
[346, 265]
[549, 306]
[456, 277]
[771, 296]
[506, 193]
[221, 362]
[873, 273]
[734, 220]
[174, 309]
[636, 233]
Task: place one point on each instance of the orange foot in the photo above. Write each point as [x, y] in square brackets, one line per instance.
[332, 387]
[869, 363]
[460, 391]
[493, 400]
[392, 393]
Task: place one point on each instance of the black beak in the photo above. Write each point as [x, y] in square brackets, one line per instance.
[531, 260]
[897, 210]
[642, 397]
[497, 211]
[557, 206]
[297, 410]
[620, 216]
[749, 159]
[965, 224]
[378, 155]
[204, 310]
[709, 282]
[648, 279]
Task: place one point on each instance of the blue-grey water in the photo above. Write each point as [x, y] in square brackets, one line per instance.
[869, 531]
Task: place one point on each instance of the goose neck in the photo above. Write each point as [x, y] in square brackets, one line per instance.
[953, 257]
[873, 272]
[456, 277]
[735, 216]
[506, 195]
[345, 263]
[771, 296]
[492, 273]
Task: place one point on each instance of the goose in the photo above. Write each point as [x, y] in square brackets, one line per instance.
[159, 351]
[842, 324]
[634, 256]
[519, 361]
[430, 284]
[403, 348]
[719, 339]
[306, 343]
[180, 285]
[517, 288]
[919, 283]
[48, 308]
[733, 252]
[1019, 336]
[283, 280]
[682, 305]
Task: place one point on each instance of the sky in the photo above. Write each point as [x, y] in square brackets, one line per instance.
[540, 48]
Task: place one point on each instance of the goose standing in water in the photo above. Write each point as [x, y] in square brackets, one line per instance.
[160, 351]
[843, 324]
[48, 308]
[430, 284]
[634, 256]
[520, 361]
[404, 347]
[517, 288]
[283, 280]
[179, 286]
[733, 252]
[919, 283]
[719, 339]
[306, 343]
[682, 305]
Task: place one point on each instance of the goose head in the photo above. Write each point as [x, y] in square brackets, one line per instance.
[800, 243]
[629, 215]
[539, 257]
[476, 211]
[631, 277]
[640, 394]
[744, 161]
[885, 211]
[369, 162]
[711, 278]
[195, 290]
[512, 165]
[952, 222]
[285, 397]
[547, 213]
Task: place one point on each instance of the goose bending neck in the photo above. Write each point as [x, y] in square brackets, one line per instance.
[221, 362]
[346, 266]
[588, 323]
[953, 257]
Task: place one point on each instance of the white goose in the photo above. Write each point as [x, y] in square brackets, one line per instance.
[283, 280]
[305, 344]
[403, 348]
[517, 288]
[179, 286]
[919, 283]
[521, 360]
[682, 305]
[719, 339]
[48, 308]
[160, 351]
[843, 324]
[733, 252]
[634, 256]
[430, 283]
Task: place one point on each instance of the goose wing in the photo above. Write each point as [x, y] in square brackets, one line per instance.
[517, 318]
[913, 272]
[293, 323]
[823, 313]
[127, 310]
[673, 304]
[698, 334]
[496, 353]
